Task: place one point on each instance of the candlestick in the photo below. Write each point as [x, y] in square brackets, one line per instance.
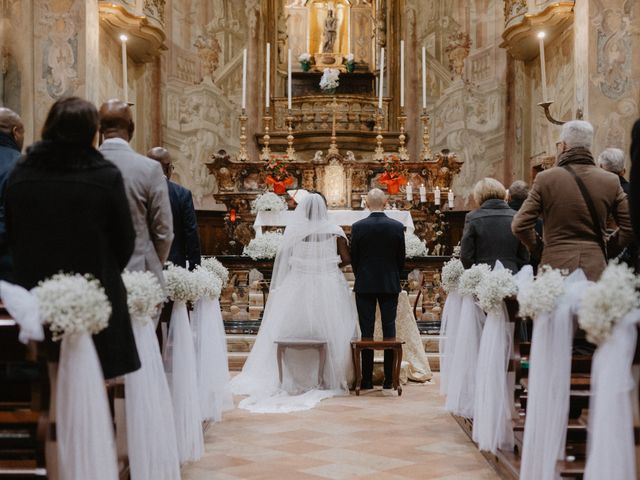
[244, 79]
[243, 155]
[289, 80]
[423, 194]
[403, 153]
[291, 153]
[381, 81]
[543, 68]
[379, 151]
[424, 78]
[125, 79]
[266, 138]
[401, 73]
[451, 199]
[268, 79]
[436, 196]
[333, 147]
[409, 193]
[425, 154]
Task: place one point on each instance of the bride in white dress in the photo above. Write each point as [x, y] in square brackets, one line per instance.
[309, 299]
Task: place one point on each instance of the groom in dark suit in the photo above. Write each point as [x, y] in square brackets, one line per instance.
[377, 258]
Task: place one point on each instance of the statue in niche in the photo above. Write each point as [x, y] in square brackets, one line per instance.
[330, 32]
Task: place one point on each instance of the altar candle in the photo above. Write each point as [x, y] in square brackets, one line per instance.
[409, 193]
[423, 194]
[289, 80]
[244, 79]
[381, 83]
[543, 68]
[424, 78]
[268, 82]
[401, 73]
[125, 80]
[451, 198]
[436, 196]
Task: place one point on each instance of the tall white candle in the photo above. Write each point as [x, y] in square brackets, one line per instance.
[409, 192]
[381, 83]
[401, 73]
[436, 196]
[289, 80]
[451, 198]
[424, 78]
[543, 68]
[267, 95]
[244, 79]
[125, 79]
[423, 194]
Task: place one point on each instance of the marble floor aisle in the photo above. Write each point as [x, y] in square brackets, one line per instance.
[368, 437]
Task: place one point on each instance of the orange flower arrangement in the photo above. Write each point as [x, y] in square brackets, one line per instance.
[394, 176]
[278, 174]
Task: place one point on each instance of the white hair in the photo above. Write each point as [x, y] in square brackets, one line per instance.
[376, 199]
[577, 133]
[612, 160]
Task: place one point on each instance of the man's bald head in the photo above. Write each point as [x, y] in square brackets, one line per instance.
[116, 120]
[163, 156]
[376, 200]
[11, 125]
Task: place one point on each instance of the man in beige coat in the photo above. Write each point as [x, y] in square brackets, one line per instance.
[571, 240]
[146, 189]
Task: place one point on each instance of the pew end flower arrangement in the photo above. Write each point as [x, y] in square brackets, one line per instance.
[144, 295]
[541, 295]
[471, 279]
[414, 247]
[451, 273]
[264, 247]
[277, 174]
[209, 284]
[497, 286]
[395, 174]
[215, 266]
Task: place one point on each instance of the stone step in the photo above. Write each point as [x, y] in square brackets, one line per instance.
[244, 343]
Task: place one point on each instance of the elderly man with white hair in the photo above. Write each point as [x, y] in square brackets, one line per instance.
[574, 200]
[612, 160]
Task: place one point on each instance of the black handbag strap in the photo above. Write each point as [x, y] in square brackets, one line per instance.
[592, 209]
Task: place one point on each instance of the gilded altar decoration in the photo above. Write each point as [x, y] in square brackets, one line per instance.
[394, 176]
[277, 174]
[457, 52]
[442, 170]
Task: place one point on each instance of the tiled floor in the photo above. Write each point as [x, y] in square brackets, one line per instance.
[370, 437]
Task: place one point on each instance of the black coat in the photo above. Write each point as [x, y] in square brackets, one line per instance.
[377, 254]
[186, 244]
[487, 237]
[67, 211]
[9, 154]
[634, 191]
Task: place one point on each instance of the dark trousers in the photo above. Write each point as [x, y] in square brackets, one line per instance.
[366, 305]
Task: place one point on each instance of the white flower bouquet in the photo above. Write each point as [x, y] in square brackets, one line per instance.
[264, 247]
[144, 295]
[451, 273]
[414, 247]
[73, 303]
[471, 279]
[541, 295]
[350, 58]
[605, 303]
[494, 288]
[182, 285]
[209, 284]
[215, 266]
[330, 79]
[304, 57]
[268, 202]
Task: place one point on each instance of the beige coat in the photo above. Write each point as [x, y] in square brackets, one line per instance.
[569, 238]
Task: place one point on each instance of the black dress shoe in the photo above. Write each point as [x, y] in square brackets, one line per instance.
[387, 386]
[366, 386]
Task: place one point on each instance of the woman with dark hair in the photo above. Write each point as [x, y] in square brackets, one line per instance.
[67, 211]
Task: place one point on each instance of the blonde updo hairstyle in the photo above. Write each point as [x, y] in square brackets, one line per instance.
[488, 189]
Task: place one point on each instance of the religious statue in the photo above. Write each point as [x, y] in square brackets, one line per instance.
[330, 32]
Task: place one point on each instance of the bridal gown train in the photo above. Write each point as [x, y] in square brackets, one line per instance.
[311, 302]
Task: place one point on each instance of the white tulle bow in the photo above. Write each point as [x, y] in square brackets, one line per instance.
[23, 307]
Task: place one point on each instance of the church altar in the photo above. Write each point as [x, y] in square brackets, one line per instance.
[343, 218]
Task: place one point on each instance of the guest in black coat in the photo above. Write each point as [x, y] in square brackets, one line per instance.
[186, 243]
[518, 193]
[487, 233]
[67, 211]
[11, 142]
[377, 258]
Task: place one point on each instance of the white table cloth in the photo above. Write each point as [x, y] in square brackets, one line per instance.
[344, 218]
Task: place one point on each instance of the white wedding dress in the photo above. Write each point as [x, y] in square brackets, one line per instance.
[309, 299]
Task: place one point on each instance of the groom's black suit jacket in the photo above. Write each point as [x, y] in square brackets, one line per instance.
[377, 254]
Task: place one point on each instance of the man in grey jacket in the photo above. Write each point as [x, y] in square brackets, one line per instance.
[146, 190]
